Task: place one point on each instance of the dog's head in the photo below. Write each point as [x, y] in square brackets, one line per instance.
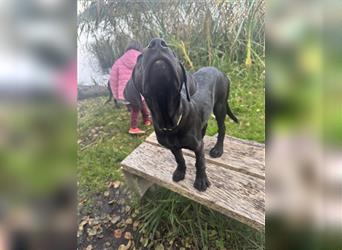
[159, 77]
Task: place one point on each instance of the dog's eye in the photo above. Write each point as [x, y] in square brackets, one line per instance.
[151, 44]
[163, 44]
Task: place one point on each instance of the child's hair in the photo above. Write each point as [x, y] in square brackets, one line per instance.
[134, 45]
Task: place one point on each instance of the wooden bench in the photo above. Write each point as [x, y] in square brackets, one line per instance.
[237, 177]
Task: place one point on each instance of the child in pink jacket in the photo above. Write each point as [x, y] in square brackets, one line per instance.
[119, 76]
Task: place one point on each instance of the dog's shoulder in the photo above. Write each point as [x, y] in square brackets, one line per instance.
[192, 84]
[207, 74]
[208, 71]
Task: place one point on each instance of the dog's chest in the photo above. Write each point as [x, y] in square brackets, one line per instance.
[173, 141]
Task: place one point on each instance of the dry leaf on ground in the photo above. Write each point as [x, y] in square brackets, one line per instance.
[117, 233]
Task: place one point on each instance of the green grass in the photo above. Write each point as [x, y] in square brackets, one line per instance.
[99, 157]
[99, 160]
[247, 101]
[177, 217]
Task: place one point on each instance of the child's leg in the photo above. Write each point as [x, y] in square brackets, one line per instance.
[134, 117]
[129, 107]
[134, 130]
[145, 113]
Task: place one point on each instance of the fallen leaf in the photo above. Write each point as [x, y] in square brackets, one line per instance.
[91, 231]
[115, 219]
[97, 229]
[129, 221]
[82, 224]
[111, 202]
[94, 221]
[135, 225]
[122, 226]
[116, 184]
[159, 247]
[127, 209]
[128, 236]
[144, 241]
[125, 247]
[91, 221]
[89, 247]
[121, 201]
[82, 202]
[117, 233]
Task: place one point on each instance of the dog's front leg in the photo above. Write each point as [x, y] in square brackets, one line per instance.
[179, 173]
[201, 181]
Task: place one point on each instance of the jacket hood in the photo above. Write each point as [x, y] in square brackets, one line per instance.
[129, 59]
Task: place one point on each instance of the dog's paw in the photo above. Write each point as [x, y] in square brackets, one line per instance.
[202, 183]
[216, 152]
[178, 175]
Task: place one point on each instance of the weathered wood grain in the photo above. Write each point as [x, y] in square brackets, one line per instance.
[232, 193]
[138, 184]
[243, 156]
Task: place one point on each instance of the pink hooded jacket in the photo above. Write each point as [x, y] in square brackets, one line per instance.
[121, 72]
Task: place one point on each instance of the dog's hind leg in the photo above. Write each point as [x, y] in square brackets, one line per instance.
[179, 173]
[220, 111]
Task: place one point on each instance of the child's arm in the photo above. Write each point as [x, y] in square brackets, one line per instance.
[114, 81]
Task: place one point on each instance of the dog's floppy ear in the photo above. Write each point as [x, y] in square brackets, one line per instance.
[185, 82]
[137, 77]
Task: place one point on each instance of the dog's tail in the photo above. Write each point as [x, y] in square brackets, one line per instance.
[229, 111]
[231, 115]
[110, 92]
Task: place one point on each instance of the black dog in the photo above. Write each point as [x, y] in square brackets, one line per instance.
[111, 96]
[181, 105]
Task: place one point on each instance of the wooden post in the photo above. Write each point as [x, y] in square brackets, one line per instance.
[138, 184]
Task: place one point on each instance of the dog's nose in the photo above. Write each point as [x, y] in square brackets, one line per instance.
[157, 43]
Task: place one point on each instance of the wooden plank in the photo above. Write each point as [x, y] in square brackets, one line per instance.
[138, 184]
[236, 195]
[239, 155]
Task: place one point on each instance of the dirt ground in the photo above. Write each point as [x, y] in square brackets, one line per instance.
[108, 222]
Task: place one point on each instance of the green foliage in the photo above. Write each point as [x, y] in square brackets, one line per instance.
[180, 218]
[204, 31]
[100, 152]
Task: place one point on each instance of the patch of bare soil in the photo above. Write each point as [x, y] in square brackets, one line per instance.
[107, 221]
